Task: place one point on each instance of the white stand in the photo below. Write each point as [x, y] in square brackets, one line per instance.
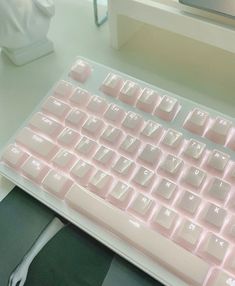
[127, 16]
[27, 54]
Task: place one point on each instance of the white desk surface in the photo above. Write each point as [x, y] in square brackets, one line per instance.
[178, 64]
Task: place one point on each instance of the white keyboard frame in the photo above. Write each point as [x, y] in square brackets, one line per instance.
[109, 239]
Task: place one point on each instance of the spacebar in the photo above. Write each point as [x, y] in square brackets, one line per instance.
[185, 265]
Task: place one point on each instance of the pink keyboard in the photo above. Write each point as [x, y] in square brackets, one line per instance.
[146, 172]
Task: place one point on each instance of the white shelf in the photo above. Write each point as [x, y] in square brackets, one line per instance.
[212, 29]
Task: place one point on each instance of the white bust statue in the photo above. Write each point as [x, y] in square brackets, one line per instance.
[24, 26]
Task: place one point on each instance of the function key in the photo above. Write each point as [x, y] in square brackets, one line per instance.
[148, 100]
[97, 105]
[129, 92]
[219, 131]
[194, 149]
[114, 114]
[80, 71]
[167, 108]
[80, 97]
[14, 156]
[63, 90]
[218, 161]
[151, 131]
[197, 121]
[112, 84]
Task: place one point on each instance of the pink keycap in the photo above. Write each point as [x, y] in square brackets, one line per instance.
[14, 156]
[111, 136]
[194, 177]
[218, 161]
[104, 157]
[133, 122]
[214, 216]
[219, 131]
[86, 147]
[151, 131]
[150, 156]
[35, 169]
[112, 84]
[143, 178]
[120, 195]
[56, 108]
[57, 183]
[168, 108]
[214, 248]
[130, 145]
[231, 143]
[189, 203]
[45, 125]
[129, 92]
[218, 190]
[165, 190]
[197, 121]
[93, 127]
[221, 278]
[64, 160]
[36, 144]
[68, 137]
[148, 100]
[80, 97]
[82, 172]
[97, 105]
[80, 71]
[231, 173]
[229, 230]
[123, 167]
[114, 114]
[188, 234]
[172, 139]
[171, 166]
[76, 118]
[164, 220]
[230, 262]
[100, 183]
[63, 90]
[142, 206]
[194, 150]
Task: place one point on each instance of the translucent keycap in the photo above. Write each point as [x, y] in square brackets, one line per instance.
[129, 92]
[151, 131]
[230, 263]
[189, 203]
[35, 169]
[194, 149]
[56, 108]
[100, 183]
[218, 160]
[14, 156]
[133, 122]
[80, 97]
[97, 105]
[172, 139]
[165, 220]
[218, 190]
[214, 216]
[63, 90]
[112, 84]
[171, 165]
[36, 144]
[144, 178]
[214, 248]
[194, 177]
[64, 159]
[229, 230]
[167, 108]
[68, 137]
[75, 118]
[45, 125]
[111, 135]
[114, 114]
[219, 130]
[197, 121]
[82, 172]
[80, 71]
[188, 234]
[231, 143]
[148, 100]
[123, 166]
[57, 183]
[130, 145]
[93, 127]
[165, 190]
[120, 195]
[104, 156]
[220, 278]
[142, 206]
[150, 156]
[86, 147]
